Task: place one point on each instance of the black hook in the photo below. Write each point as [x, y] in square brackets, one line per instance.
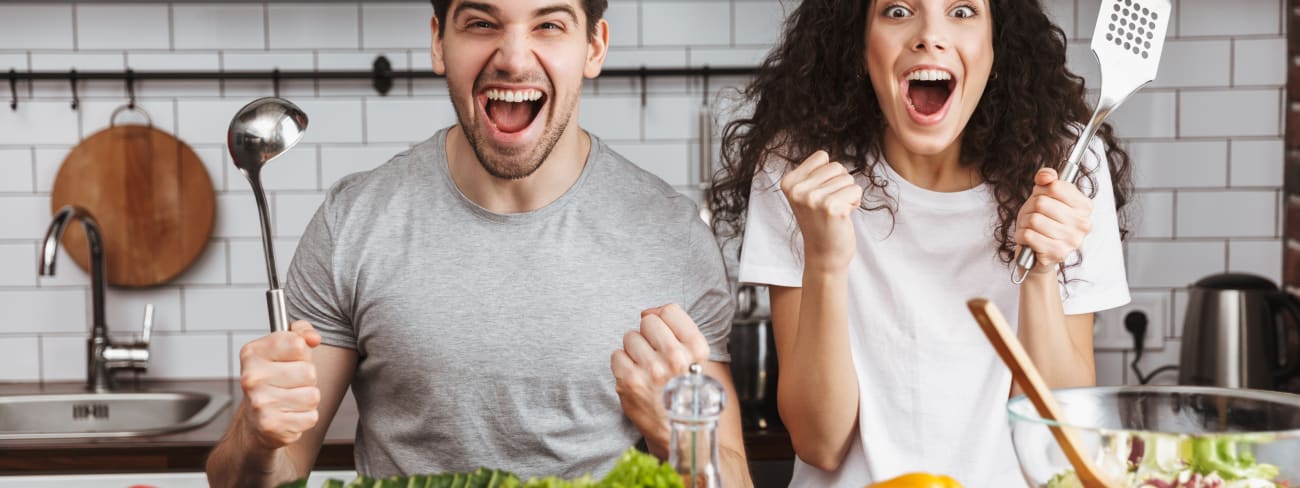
[643, 76]
[704, 102]
[275, 82]
[76, 100]
[13, 89]
[130, 88]
[381, 75]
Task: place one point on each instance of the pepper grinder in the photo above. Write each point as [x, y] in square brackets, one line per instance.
[694, 402]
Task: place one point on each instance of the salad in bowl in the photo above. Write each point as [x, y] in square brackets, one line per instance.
[1165, 437]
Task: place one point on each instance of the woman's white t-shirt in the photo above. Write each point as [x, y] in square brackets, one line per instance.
[933, 391]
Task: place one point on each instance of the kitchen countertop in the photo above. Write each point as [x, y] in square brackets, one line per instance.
[186, 451]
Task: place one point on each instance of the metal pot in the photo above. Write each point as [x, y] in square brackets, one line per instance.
[753, 364]
[1235, 334]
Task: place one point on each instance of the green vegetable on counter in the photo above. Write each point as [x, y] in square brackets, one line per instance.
[634, 469]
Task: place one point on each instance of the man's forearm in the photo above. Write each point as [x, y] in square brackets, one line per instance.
[239, 461]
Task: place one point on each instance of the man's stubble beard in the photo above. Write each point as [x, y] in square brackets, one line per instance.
[512, 166]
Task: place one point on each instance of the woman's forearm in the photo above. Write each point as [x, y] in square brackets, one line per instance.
[1060, 346]
[818, 390]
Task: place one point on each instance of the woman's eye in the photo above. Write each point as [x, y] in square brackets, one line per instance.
[897, 12]
[963, 12]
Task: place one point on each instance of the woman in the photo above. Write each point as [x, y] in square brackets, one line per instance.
[898, 155]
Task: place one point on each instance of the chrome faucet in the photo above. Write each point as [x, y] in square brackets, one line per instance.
[102, 356]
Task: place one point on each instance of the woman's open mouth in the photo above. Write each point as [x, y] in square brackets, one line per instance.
[511, 112]
[927, 94]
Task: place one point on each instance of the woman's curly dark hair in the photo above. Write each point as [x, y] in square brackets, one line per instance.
[812, 92]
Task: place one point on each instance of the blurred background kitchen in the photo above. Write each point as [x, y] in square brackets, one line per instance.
[1207, 140]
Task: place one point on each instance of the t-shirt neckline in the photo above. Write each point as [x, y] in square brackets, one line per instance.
[442, 170]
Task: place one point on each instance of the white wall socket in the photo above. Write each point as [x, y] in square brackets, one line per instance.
[1109, 334]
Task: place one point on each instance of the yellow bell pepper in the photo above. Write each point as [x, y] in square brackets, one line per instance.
[918, 480]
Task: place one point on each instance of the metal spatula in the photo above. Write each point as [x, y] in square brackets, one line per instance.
[1128, 40]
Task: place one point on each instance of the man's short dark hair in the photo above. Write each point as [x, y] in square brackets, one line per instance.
[594, 9]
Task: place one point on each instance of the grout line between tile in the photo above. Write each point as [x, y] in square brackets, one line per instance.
[1227, 256]
[230, 352]
[180, 292]
[75, 37]
[731, 11]
[225, 248]
[40, 358]
[1177, 20]
[266, 27]
[1227, 167]
[1232, 62]
[1173, 226]
[171, 27]
[361, 42]
[365, 125]
[320, 167]
[1277, 219]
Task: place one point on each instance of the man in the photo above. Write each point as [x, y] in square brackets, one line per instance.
[471, 290]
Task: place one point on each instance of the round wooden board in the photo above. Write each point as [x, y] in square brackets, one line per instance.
[151, 195]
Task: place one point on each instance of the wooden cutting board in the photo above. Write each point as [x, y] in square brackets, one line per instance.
[151, 195]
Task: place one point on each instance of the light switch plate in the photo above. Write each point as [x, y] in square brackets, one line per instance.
[1109, 333]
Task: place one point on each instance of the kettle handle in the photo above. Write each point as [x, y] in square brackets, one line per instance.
[1291, 305]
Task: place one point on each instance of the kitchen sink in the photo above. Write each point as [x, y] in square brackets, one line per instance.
[99, 415]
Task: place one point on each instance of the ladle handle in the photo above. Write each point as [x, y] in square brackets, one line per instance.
[1026, 375]
[279, 313]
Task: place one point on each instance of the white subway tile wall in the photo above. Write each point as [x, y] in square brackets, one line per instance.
[1205, 140]
[124, 26]
[219, 26]
[16, 164]
[13, 258]
[1180, 164]
[37, 27]
[209, 269]
[1205, 113]
[63, 357]
[314, 26]
[1152, 214]
[1256, 163]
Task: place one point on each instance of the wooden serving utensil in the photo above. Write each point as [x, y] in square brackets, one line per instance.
[1026, 375]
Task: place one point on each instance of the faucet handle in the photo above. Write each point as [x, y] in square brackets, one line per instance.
[148, 324]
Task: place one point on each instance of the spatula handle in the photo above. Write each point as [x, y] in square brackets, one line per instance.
[1026, 260]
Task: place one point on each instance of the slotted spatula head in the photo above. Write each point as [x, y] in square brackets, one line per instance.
[1128, 40]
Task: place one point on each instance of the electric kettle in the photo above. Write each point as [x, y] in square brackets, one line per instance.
[1240, 331]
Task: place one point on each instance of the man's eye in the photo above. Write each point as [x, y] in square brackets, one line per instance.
[897, 12]
[549, 26]
[480, 24]
[963, 12]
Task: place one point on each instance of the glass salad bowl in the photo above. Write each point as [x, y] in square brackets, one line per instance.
[1165, 437]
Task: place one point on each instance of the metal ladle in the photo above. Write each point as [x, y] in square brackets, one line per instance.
[259, 132]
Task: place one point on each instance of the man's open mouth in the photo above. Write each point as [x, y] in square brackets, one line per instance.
[512, 111]
[927, 90]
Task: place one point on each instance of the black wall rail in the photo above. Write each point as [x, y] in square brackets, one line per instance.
[381, 76]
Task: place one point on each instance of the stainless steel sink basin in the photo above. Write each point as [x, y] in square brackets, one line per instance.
[95, 415]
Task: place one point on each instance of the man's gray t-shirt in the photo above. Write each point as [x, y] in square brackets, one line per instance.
[485, 339]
